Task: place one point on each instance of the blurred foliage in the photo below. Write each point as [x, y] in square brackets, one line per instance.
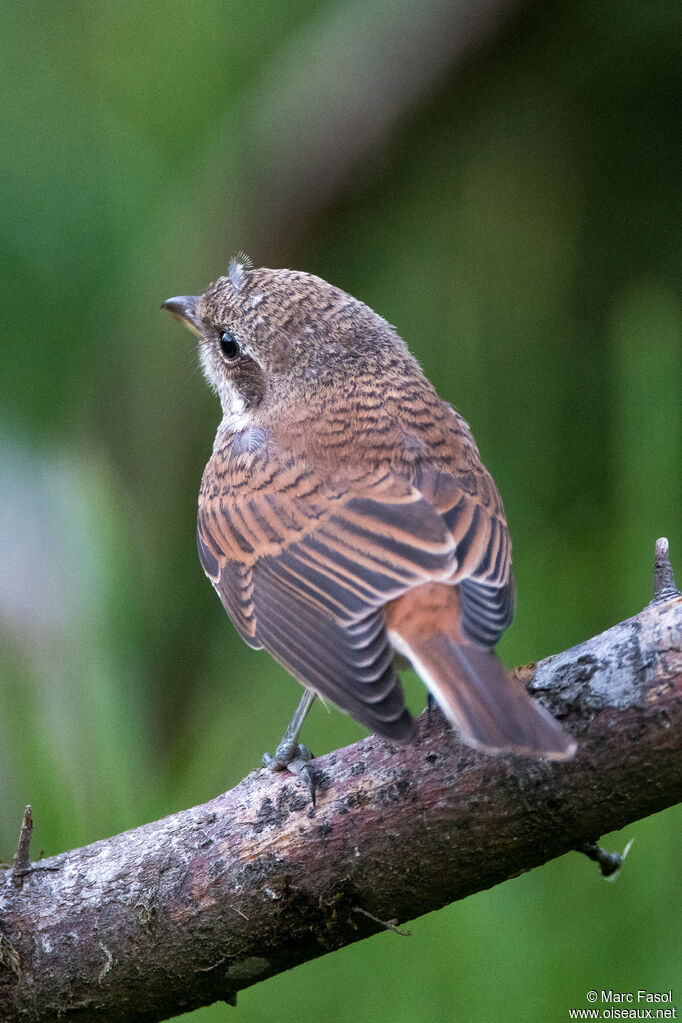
[517, 215]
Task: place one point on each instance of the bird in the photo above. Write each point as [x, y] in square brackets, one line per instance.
[346, 519]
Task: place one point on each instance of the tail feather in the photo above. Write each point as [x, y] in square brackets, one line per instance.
[487, 706]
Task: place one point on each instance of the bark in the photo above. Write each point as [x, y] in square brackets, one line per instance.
[192, 908]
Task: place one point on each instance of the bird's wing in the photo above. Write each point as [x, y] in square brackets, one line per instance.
[304, 564]
[470, 504]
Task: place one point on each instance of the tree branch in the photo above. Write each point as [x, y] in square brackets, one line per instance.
[192, 908]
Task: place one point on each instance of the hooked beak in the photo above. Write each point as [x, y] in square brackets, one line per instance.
[184, 308]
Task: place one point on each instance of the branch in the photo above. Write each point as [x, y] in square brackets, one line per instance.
[192, 908]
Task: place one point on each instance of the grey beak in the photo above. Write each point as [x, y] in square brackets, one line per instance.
[184, 308]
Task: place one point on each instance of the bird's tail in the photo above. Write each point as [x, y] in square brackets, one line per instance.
[489, 708]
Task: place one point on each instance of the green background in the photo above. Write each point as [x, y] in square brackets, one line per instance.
[514, 207]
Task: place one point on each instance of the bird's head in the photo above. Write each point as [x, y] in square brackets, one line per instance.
[270, 337]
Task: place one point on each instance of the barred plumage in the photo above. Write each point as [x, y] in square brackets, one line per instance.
[345, 513]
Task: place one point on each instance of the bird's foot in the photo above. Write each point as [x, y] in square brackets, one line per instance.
[293, 757]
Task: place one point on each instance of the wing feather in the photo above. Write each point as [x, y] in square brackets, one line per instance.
[304, 565]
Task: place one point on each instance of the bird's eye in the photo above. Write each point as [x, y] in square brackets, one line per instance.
[229, 346]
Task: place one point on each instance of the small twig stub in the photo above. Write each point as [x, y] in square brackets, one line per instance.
[664, 578]
[389, 925]
[609, 863]
[21, 859]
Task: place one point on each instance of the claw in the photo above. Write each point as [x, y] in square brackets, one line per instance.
[300, 766]
[295, 758]
[290, 755]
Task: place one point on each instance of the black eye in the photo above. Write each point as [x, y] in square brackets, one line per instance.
[229, 346]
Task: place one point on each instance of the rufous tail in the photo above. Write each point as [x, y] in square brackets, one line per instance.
[489, 708]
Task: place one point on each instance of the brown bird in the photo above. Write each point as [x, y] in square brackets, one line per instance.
[345, 515]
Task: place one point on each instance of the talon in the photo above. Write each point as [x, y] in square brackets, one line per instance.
[295, 758]
[290, 755]
[286, 753]
[300, 766]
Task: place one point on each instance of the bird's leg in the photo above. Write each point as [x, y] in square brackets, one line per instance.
[430, 703]
[291, 755]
